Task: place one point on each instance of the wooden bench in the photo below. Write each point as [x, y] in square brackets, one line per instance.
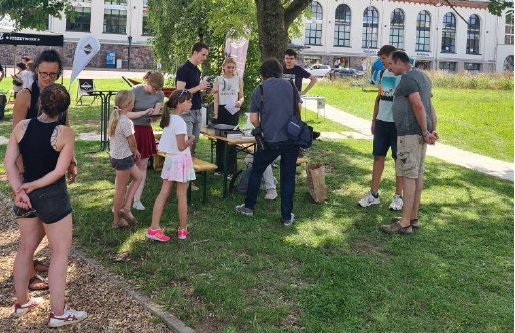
[199, 166]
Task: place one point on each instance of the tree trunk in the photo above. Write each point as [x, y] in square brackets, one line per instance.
[273, 37]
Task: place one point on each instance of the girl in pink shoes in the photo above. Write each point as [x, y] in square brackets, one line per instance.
[178, 164]
[123, 155]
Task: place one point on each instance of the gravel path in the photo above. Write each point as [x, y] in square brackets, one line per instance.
[109, 307]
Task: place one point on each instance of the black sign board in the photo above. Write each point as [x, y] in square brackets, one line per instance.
[12, 38]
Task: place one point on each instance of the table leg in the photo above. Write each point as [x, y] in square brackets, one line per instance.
[226, 152]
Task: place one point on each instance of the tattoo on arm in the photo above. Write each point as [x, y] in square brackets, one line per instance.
[55, 135]
[24, 126]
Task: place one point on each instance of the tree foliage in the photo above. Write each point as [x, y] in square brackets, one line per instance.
[33, 14]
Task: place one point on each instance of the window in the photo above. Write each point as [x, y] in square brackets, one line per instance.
[472, 68]
[474, 28]
[449, 33]
[370, 28]
[397, 29]
[146, 28]
[508, 29]
[115, 16]
[423, 31]
[81, 21]
[342, 26]
[313, 32]
[448, 66]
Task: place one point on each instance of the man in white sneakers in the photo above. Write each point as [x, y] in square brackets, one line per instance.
[384, 131]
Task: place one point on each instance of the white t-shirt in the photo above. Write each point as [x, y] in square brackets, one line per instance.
[228, 89]
[27, 77]
[119, 145]
[168, 141]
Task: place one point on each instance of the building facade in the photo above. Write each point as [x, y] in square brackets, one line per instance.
[347, 33]
[115, 23]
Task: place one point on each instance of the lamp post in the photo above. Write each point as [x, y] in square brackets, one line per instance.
[129, 53]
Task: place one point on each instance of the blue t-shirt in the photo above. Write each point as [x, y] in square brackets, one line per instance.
[388, 82]
[190, 74]
[278, 96]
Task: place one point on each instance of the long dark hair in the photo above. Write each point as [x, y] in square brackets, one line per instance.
[176, 97]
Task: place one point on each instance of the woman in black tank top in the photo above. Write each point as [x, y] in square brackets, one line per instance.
[42, 204]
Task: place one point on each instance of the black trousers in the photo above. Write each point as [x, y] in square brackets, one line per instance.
[225, 117]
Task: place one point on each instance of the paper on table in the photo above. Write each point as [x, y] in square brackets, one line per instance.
[232, 108]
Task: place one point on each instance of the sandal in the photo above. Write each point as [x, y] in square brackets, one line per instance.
[413, 223]
[124, 214]
[37, 282]
[121, 224]
[39, 267]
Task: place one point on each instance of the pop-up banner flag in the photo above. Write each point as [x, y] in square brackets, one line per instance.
[86, 49]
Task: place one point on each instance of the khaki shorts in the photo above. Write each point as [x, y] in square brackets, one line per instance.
[411, 154]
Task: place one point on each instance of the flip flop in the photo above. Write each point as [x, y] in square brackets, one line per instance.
[40, 266]
[37, 282]
[124, 214]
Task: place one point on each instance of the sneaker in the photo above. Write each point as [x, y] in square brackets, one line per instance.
[290, 221]
[182, 233]
[396, 202]
[229, 176]
[138, 205]
[70, 316]
[157, 235]
[270, 194]
[396, 228]
[193, 187]
[21, 309]
[244, 210]
[369, 200]
[218, 173]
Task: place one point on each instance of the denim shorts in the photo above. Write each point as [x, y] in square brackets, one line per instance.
[122, 163]
[385, 136]
[50, 203]
[193, 120]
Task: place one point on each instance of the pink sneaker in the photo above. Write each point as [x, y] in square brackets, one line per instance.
[157, 235]
[182, 233]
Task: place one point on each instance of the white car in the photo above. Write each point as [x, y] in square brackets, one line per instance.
[318, 70]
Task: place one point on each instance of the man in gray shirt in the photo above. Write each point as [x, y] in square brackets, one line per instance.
[415, 120]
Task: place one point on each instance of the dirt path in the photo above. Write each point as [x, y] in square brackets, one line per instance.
[109, 307]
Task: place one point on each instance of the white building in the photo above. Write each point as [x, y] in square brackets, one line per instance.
[468, 37]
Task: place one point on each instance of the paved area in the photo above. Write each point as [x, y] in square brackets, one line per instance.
[444, 152]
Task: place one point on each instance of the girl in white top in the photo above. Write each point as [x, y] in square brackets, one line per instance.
[178, 164]
[123, 153]
[228, 91]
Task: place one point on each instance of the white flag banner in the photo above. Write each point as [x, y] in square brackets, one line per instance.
[237, 49]
[86, 49]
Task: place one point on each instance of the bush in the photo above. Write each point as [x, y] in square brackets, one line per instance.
[465, 80]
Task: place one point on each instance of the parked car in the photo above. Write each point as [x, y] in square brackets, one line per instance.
[318, 70]
[345, 72]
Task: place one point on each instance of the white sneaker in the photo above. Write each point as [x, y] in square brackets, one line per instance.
[396, 202]
[21, 309]
[270, 194]
[369, 200]
[289, 222]
[138, 205]
[70, 316]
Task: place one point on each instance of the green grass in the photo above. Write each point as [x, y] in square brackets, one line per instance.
[333, 270]
[479, 120]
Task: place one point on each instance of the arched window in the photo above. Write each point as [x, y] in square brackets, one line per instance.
[370, 28]
[342, 26]
[508, 29]
[397, 28]
[473, 31]
[313, 32]
[449, 33]
[423, 31]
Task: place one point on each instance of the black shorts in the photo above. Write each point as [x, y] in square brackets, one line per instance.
[50, 203]
[385, 136]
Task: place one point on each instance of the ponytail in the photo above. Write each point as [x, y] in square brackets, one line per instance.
[165, 118]
[113, 121]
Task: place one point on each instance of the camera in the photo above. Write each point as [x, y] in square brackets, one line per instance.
[258, 134]
[208, 79]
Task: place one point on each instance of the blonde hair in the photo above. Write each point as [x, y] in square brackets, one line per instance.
[155, 79]
[228, 60]
[121, 100]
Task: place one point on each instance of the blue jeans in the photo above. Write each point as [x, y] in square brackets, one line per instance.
[262, 159]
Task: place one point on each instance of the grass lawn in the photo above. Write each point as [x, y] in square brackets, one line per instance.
[333, 270]
[479, 120]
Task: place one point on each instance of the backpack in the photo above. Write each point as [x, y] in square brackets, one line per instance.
[243, 181]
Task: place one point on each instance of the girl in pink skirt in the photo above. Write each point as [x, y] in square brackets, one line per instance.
[178, 164]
